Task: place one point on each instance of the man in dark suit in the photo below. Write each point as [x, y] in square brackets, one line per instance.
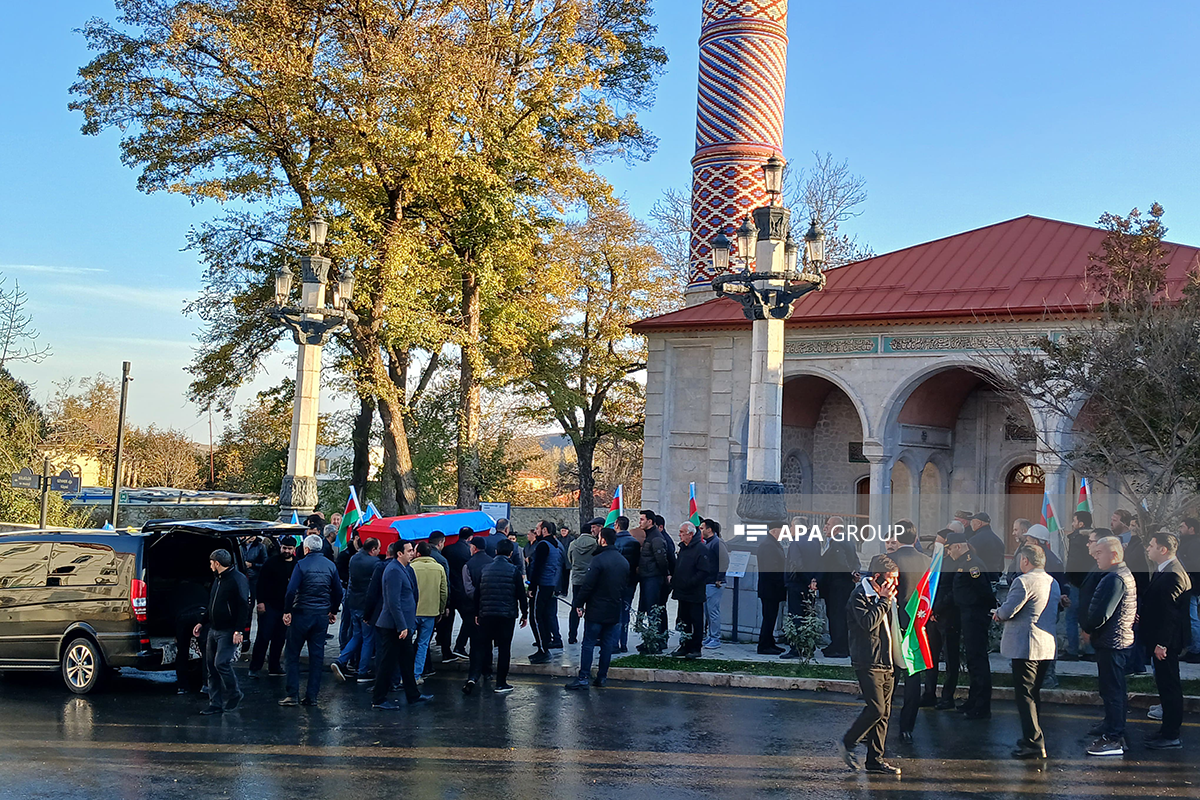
[839, 575]
[986, 545]
[396, 628]
[771, 588]
[913, 566]
[1166, 632]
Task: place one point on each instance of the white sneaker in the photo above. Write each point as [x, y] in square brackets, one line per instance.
[1155, 712]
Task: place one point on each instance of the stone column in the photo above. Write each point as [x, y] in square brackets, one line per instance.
[761, 498]
[881, 493]
[298, 492]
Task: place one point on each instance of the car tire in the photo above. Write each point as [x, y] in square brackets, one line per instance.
[82, 665]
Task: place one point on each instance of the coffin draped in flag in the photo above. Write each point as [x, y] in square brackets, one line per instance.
[915, 645]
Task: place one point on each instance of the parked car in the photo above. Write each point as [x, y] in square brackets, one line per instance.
[85, 602]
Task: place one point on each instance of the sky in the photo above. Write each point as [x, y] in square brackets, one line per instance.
[957, 115]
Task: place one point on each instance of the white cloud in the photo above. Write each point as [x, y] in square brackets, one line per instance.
[122, 297]
[50, 270]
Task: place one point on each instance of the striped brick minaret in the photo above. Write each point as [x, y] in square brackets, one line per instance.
[739, 120]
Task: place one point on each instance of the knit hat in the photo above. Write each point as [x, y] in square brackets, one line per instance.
[287, 541]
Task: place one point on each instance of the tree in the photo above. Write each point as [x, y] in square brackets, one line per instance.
[607, 274]
[18, 337]
[166, 457]
[437, 134]
[1129, 376]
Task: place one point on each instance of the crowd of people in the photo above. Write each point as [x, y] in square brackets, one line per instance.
[1127, 598]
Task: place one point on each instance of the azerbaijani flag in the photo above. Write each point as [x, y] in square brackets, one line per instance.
[350, 517]
[1048, 517]
[1085, 496]
[693, 512]
[617, 508]
[295, 518]
[915, 645]
[372, 513]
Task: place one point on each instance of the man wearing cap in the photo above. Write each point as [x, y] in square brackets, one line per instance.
[987, 546]
[579, 557]
[272, 588]
[945, 632]
[313, 597]
[227, 615]
[975, 600]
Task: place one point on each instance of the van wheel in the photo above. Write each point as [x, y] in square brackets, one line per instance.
[82, 665]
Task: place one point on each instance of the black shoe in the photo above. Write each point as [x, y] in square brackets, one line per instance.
[577, 684]
[1029, 753]
[276, 674]
[468, 687]
[848, 756]
[232, 704]
[339, 671]
[182, 690]
[429, 673]
[289, 701]
[1067, 657]
[906, 737]
[883, 768]
[642, 648]
[928, 702]
[944, 705]
[254, 673]
[459, 654]
[791, 654]
[679, 652]
[621, 650]
[978, 713]
[572, 640]
[311, 702]
[540, 657]
[503, 688]
[600, 683]
[364, 677]
[386, 705]
[834, 653]
[1087, 656]
[691, 656]
[425, 698]
[211, 710]
[450, 659]
[1156, 743]
[771, 651]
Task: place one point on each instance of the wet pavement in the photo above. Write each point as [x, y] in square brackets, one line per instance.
[137, 739]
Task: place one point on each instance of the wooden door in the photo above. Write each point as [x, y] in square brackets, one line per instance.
[1026, 488]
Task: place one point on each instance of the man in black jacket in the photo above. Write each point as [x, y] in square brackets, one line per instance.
[801, 577]
[359, 651]
[944, 632]
[913, 565]
[1078, 564]
[986, 546]
[771, 588]
[839, 575]
[600, 606]
[654, 570]
[313, 597]
[227, 615]
[481, 649]
[499, 596]
[975, 598]
[1166, 631]
[272, 588]
[254, 554]
[631, 548]
[1189, 557]
[873, 631]
[692, 567]
[457, 555]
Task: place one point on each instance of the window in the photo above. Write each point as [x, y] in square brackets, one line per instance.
[23, 565]
[82, 565]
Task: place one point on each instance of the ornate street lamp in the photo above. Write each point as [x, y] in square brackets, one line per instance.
[311, 323]
[767, 296]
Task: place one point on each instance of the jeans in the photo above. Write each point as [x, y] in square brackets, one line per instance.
[606, 636]
[1028, 677]
[1110, 668]
[219, 653]
[307, 629]
[1195, 646]
[352, 647]
[425, 627]
[496, 631]
[627, 601]
[877, 686]
[712, 611]
[268, 642]
[1072, 621]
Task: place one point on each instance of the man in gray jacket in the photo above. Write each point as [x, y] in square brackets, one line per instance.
[1029, 613]
[579, 556]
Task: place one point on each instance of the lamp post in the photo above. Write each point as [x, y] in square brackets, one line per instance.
[767, 294]
[311, 323]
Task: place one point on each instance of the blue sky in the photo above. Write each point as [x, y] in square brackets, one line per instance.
[957, 114]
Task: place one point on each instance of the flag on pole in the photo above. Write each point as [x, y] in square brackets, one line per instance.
[1048, 517]
[295, 518]
[693, 512]
[915, 646]
[108, 527]
[350, 517]
[617, 508]
[372, 513]
[1084, 503]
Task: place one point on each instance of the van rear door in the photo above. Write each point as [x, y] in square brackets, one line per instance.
[25, 636]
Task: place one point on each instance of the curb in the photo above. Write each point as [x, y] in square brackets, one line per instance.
[741, 680]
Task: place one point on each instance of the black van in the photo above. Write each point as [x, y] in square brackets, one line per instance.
[87, 601]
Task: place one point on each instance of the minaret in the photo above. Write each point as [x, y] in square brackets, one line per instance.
[739, 121]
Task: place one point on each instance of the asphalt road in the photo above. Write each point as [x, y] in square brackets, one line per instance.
[137, 739]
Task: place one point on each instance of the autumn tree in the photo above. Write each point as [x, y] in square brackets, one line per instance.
[437, 136]
[606, 274]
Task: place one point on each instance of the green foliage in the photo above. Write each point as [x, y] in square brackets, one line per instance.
[649, 626]
[803, 631]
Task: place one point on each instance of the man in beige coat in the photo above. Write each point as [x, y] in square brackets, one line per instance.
[433, 589]
[1029, 613]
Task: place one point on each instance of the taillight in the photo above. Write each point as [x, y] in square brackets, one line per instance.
[137, 596]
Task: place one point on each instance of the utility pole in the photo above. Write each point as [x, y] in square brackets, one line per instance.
[116, 492]
[45, 510]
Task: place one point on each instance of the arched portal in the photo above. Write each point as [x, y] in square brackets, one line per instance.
[822, 447]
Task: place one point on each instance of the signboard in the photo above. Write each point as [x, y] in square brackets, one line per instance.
[64, 482]
[497, 510]
[26, 479]
[739, 560]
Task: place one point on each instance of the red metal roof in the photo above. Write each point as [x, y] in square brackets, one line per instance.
[1024, 266]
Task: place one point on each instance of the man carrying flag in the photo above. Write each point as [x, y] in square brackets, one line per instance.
[352, 516]
[916, 569]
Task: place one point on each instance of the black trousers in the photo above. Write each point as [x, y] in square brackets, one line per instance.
[871, 726]
[573, 624]
[497, 631]
[545, 614]
[466, 612]
[189, 672]
[945, 638]
[481, 652]
[837, 594]
[913, 685]
[394, 654]
[691, 619]
[770, 615]
[1027, 687]
[443, 629]
[1170, 694]
[268, 641]
[976, 621]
